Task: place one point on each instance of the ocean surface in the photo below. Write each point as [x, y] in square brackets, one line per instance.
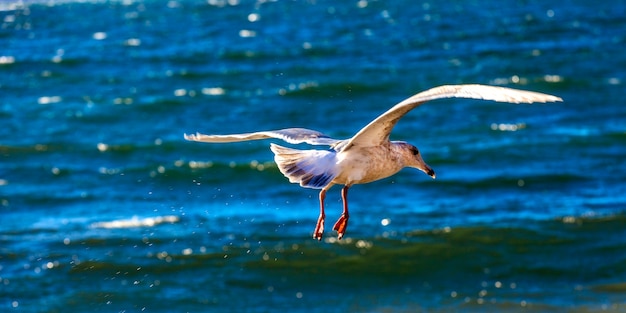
[104, 207]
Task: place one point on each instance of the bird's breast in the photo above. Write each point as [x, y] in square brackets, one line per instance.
[364, 165]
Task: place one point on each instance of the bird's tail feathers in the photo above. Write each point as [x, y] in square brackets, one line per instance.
[309, 168]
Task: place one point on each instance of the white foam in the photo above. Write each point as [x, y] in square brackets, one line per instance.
[137, 222]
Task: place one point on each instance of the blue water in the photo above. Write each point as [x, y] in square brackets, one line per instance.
[105, 207]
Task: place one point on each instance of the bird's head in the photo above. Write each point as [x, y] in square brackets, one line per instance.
[413, 158]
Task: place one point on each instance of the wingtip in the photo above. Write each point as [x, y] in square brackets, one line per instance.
[544, 98]
[552, 98]
[191, 137]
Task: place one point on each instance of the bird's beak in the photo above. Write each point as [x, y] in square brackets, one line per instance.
[422, 166]
[430, 173]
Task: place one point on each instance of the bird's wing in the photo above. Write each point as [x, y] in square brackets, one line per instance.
[290, 135]
[377, 132]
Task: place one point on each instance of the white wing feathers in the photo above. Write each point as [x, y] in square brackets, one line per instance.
[309, 168]
[482, 92]
[377, 132]
[290, 135]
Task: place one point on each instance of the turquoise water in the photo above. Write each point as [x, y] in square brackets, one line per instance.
[105, 207]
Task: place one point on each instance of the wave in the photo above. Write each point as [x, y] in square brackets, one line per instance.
[480, 263]
[137, 222]
[478, 253]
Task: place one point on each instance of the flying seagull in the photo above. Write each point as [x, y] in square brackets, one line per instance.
[367, 156]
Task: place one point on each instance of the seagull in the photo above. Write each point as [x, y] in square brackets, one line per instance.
[367, 156]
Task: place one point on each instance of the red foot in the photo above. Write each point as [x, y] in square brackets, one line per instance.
[341, 225]
[319, 228]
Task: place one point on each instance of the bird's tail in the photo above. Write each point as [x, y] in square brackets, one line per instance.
[310, 168]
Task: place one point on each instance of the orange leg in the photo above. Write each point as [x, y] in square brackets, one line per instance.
[342, 222]
[319, 228]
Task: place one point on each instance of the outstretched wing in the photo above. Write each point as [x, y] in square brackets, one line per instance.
[377, 132]
[290, 135]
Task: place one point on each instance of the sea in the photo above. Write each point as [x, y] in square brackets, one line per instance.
[105, 207]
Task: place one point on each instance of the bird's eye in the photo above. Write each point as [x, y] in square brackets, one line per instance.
[415, 151]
